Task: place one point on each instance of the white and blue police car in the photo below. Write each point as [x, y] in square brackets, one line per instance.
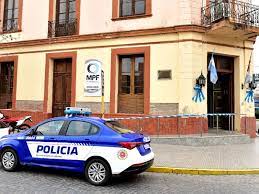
[97, 147]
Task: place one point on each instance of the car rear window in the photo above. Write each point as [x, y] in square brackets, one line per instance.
[116, 126]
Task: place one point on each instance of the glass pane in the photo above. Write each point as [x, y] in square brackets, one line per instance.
[50, 128]
[72, 17]
[139, 7]
[16, 4]
[125, 75]
[72, 6]
[125, 66]
[94, 130]
[139, 75]
[9, 25]
[10, 4]
[15, 13]
[10, 14]
[62, 18]
[62, 7]
[78, 128]
[126, 8]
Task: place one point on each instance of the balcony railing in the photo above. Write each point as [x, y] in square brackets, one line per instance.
[62, 28]
[10, 26]
[236, 11]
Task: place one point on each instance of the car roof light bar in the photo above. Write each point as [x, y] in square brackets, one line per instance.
[76, 111]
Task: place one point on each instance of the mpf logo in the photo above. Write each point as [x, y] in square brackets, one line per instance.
[64, 150]
[93, 68]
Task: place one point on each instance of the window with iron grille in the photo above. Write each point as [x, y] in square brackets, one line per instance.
[65, 17]
[10, 22]
[132, 7]
[6, 86]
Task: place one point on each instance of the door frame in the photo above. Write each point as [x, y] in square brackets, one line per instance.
[50, 57]
[231, 74]
[115, 71]
[132, 80]
[13, 59]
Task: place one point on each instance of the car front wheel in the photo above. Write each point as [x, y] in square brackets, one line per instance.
[98, 172]
[9, 160]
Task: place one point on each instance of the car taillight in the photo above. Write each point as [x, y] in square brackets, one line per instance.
[130, 145]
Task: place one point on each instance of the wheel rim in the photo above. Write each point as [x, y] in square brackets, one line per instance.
[8, 160]
[96, 172]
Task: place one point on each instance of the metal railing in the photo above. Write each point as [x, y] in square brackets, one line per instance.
[62, 28]
[236, 11]
[10, 26]
[180, 124]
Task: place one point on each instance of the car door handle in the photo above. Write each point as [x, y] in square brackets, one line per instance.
[87, 139]
[52, 138]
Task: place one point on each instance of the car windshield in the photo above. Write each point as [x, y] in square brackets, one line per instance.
[116, 126]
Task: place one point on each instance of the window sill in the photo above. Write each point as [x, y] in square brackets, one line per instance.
[10, 32]
[131, 17]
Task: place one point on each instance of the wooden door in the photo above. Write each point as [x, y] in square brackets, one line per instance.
[61, 86]
[131, 84]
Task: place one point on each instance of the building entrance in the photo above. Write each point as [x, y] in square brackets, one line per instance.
[221, 95]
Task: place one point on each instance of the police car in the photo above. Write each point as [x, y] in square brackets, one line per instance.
[97, 147]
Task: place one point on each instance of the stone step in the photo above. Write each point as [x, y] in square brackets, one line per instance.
[203, 141]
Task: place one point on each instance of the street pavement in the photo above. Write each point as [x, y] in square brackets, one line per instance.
[241, 156]
[35, 180]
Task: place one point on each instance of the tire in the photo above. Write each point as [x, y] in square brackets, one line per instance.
[9, 160]
[104, 175]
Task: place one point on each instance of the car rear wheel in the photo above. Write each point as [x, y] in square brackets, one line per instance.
[98, 172]
[9, 160]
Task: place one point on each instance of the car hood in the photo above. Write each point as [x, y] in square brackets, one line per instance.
[14, 136]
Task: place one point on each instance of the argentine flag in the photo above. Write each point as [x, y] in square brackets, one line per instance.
[213, 71]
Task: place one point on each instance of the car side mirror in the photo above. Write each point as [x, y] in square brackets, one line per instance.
[31, 133]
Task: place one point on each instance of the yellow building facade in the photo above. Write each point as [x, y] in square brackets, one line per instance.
[177, 42]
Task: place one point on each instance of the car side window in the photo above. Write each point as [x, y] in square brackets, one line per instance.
[51, 128]
[79, 128]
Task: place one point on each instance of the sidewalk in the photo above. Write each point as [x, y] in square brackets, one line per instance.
[231, 157]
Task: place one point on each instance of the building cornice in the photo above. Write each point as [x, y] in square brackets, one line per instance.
[114, 35]
[105, 36]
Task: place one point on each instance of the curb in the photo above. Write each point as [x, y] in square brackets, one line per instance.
[193, 171]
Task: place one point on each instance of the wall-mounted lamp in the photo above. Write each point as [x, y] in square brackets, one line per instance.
[201, 80]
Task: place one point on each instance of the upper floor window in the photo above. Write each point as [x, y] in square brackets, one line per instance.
[132, 7]
[11, 14]
[64, 20]
[66, 11]
[124, 9]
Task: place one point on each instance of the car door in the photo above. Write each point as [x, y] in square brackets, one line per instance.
[81, 136]
[44, 143]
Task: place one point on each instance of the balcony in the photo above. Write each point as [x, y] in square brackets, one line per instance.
[231, 16]
[62, 28]
[10, 26]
